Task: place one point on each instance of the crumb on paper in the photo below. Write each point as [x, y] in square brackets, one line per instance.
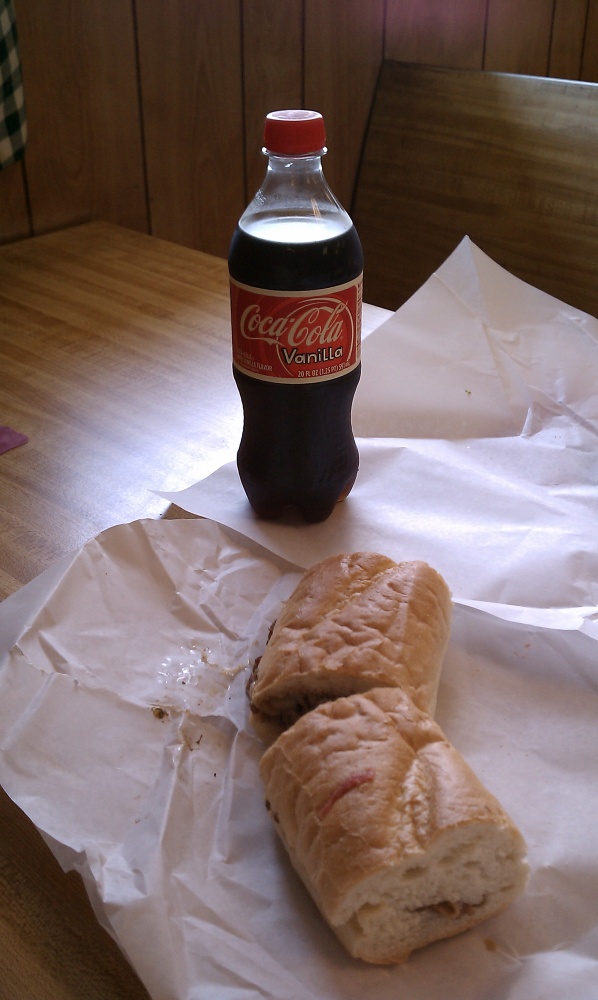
[158, 712]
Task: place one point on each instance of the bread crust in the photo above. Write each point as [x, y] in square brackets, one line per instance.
[355, 621]
[394, 836]
[390, 830]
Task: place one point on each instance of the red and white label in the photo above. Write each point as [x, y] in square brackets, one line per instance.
[279, 336]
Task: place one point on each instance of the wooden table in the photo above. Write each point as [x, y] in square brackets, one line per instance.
[115, 362]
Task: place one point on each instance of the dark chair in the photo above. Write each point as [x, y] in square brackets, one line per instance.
[510, 161]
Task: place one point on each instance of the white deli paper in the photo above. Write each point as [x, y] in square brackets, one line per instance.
[125, 739]
[124, 728]
[503, 499]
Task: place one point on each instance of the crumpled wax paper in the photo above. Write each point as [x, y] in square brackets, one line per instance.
[124, 729]
[125, 737]
[477, 424]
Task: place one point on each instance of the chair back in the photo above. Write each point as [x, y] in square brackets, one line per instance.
[510, 161]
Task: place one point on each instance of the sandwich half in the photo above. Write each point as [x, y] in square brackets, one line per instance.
[354, 622]
[394, 836]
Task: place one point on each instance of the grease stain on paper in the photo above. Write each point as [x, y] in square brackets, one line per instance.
[194, 677]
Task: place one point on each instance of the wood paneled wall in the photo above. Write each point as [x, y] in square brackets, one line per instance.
[148, 113]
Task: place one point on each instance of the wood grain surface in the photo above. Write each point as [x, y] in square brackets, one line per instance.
[568, 37]
[344, 42]
[448, 34]
[150, 114]
[191, 99]
[84, 154]
[272, 73]
[115, 361]
[517, 43]
[15, 221]
[589, 60]
[116, 365]
[510, 161]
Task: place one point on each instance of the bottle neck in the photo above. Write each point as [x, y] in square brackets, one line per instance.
[295, 187]
[308, 163]
[293, 174]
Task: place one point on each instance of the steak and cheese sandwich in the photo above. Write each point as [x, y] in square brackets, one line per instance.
[353, 623]
[395, 838]
[397, 841]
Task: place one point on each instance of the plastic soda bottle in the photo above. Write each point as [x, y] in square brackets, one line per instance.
[295, 266]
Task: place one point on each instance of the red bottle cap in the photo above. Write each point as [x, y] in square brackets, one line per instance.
[294, 133]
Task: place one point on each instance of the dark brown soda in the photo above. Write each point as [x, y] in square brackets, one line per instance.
[297, 449]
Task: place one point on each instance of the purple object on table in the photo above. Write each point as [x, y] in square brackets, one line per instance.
[11, 439]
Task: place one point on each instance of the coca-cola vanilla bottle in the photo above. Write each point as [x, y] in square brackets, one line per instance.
[295, 266]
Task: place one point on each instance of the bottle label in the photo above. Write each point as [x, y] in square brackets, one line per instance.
[304, 336]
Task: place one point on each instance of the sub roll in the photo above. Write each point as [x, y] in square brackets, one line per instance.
[395, 838]
[354, 622]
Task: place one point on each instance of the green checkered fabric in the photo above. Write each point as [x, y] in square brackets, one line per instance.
[13, 122]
